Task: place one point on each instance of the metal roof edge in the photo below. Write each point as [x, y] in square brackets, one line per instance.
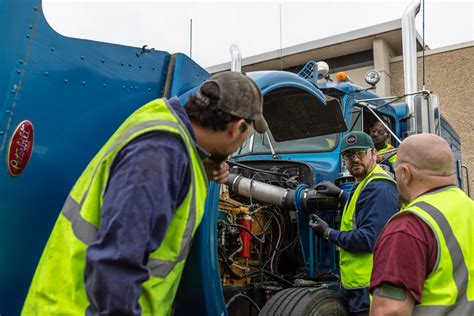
[319, 43]
[438, 50]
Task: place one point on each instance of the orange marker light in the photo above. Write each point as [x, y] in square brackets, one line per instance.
[341, 76]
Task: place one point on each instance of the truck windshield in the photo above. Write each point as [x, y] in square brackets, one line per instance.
[311, 144]
[298, 122]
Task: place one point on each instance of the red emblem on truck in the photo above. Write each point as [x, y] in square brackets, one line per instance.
[20, 148]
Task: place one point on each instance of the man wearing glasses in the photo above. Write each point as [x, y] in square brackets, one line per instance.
[385, 154]
[371, 202]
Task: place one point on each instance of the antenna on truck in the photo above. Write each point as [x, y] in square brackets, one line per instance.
[191, 38]
[423, 48]
[281, 44]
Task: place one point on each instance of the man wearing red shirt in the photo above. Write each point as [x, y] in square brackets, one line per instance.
[423, 260]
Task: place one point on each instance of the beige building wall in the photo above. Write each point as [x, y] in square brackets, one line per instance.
[450, 74]
[358, 75]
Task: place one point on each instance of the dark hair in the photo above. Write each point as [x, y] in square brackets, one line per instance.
[207, 114]
[383, 120]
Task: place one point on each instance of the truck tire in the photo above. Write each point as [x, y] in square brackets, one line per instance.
[304, 301]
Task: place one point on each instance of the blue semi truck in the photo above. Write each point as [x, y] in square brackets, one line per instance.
[61, 98]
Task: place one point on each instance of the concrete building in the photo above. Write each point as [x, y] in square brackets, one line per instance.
[449, 71]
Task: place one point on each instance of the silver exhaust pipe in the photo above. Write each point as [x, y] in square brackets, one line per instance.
[410, 60]
[236, 59]
[306, 199]
[260, 191]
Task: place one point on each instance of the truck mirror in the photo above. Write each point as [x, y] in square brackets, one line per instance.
[427, 114]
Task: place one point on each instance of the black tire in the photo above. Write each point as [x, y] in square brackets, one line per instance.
[304, 301]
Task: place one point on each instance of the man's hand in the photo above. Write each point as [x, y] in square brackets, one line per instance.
[320, 227]
[217, 172]
[328, 188]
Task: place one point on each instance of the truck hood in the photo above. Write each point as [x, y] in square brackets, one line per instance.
[293, 107]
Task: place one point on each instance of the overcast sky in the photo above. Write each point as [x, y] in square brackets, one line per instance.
[253, 25]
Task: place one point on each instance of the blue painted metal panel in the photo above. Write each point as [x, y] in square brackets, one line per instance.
[76, 93]
[326, 251]
[272, 80]
[186, 75]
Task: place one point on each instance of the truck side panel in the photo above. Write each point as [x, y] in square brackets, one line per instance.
[75, 93]
[454, 141]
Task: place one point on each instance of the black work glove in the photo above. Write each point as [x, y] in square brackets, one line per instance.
[320, 227]
[328, 188]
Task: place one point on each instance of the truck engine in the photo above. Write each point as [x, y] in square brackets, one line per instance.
[264, 211]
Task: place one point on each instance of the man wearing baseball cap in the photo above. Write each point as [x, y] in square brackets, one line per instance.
[370, 204]
[121, 240]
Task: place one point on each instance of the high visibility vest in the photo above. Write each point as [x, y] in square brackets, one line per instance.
[356, 267]
[58, 284]
[449, 288]
[388, 147]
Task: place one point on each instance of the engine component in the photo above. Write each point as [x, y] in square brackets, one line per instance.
[303, 283]
[245, 221]
[261, 191]
[314, 200]
[258, 228]
[308, 199]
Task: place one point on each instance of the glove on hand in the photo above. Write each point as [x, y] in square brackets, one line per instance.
[320, 227]
[328, 188]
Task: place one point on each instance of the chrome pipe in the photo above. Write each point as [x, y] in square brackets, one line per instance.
[236, 58]
[257, 190]
[410, 59]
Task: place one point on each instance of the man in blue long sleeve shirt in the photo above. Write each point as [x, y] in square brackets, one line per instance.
[132, 225]
[370, 204]
[119, 244]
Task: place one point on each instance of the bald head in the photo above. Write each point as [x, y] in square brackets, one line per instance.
[424, 162]
[429, 153]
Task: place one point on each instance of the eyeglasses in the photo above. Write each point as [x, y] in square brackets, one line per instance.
[378, 132]
[350, 155]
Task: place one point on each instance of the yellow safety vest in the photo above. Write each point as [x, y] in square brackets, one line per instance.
[449, 289]
[357, 267]
[388, 147]
[58, 284]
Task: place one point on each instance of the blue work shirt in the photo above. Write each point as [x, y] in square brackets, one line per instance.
[377, 202]
[148, 180]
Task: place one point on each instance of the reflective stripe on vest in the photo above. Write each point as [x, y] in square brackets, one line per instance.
[87, 232]
[357, 267]
[460, 271]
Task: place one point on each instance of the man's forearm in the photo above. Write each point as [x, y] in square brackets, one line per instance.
[352, 240]
[391, 301]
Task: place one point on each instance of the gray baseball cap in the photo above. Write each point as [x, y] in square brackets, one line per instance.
[240, 96]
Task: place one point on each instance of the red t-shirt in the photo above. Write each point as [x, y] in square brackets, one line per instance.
[404, 255]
